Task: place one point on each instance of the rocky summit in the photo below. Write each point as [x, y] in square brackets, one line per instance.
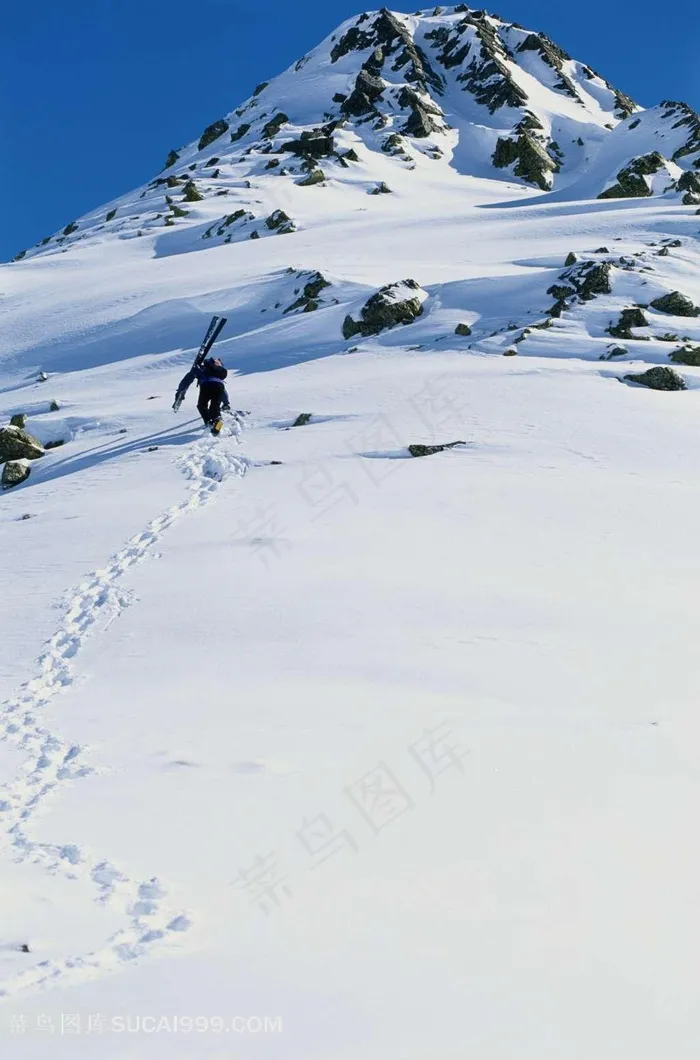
[446, 94]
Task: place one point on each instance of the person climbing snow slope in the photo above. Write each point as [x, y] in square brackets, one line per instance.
[213, 397]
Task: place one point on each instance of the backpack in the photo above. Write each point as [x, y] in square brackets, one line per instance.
[215, 368]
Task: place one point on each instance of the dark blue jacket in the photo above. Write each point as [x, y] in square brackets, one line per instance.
[203, 376]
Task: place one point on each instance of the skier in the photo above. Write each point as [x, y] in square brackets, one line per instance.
[210, 375]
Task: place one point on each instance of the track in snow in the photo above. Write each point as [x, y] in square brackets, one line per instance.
[51, 762]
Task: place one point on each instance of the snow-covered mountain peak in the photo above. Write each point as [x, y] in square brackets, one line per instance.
[449, 97]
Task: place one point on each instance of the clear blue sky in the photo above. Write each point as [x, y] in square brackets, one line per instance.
[93, 93]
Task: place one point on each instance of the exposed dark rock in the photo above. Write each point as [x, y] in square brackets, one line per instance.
[273, 126]
[17, 444]
[19, 420]
[463, 329]
[429, 450]
[690, 184]
[211, 133]
[676, 304]
[240, 132]
[190, 193]
[554, 57]
[70, 228]
[220, 226]
[280, 222]
[310, 147]
[487, 76]
[316, 176]
[351, 156]
[393, 145]
[172, 158]
[658, 378]
[624, 106]
[368, 89]
[533, 163]
[302, 419]
[571, 259]
[420, 123]
[354, 40]
[512, 352]
[629, 318]
[381, 189]
[260, 88]
[308, 300]
[391, 305]
[686, 354]
[561, 291]
[630, 179]
[684, 117]
[589, 278]
[14, 472]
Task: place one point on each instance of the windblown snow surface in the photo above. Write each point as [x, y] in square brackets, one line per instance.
[311, 749]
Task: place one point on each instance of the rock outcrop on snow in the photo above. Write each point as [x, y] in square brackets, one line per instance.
[658, 378]
[430, 450]
[308, 299]
[397, 303]
[629, 318]
[18, 444]
[676, 304]
[686, 354]
[631, 179]
[14, 472]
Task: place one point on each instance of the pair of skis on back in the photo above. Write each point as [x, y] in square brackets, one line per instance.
[216, 326]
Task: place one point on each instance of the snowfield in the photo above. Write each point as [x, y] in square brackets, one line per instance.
[313, 749]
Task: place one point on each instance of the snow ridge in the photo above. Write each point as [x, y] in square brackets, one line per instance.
[51, 762]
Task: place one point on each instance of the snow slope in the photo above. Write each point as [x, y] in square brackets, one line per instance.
[320, 749]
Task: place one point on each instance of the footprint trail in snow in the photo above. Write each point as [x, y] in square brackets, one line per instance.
[50, 761]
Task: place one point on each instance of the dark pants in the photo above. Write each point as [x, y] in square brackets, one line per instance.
[209, 402]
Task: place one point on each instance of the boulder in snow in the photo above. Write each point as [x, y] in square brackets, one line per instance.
[316, 176]
[397, 303]
[17, 444]
[428, 450]
[211, 133]
[629, 318]
[676, 304]
[686, 354]
[658, 378]
[310, 146]
[279, 222]
[14, 472]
